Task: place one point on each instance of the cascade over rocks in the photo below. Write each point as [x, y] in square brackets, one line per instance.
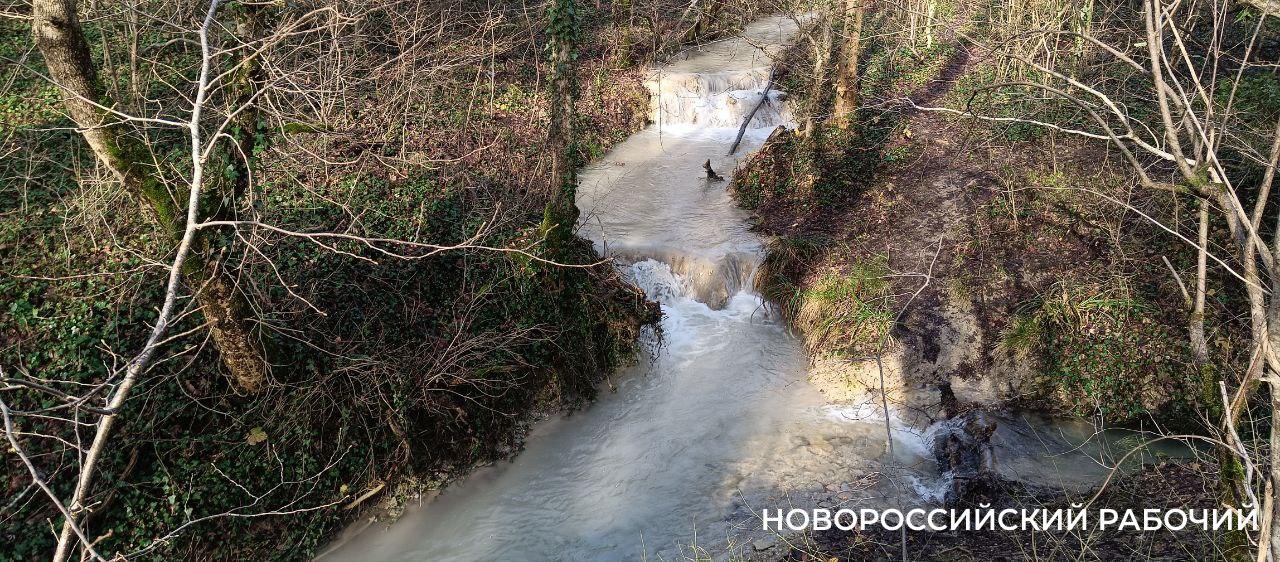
[715, 99]
[962, 448]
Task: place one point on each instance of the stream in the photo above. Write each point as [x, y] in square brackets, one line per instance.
[719, 422]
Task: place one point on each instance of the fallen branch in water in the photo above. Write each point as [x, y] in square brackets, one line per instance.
[764, 96]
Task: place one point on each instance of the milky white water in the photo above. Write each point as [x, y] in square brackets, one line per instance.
[720, 422]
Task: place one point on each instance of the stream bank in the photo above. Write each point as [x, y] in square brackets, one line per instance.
[390, 377]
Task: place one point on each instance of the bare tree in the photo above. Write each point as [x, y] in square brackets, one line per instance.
[58, 34]
[223, 106]
[847, 72]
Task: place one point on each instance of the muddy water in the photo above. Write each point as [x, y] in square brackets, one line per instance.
[719, 422]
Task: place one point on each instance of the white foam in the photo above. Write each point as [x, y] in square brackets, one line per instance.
[932, 490]
[686, 322]
[688, 101]
[910, 439]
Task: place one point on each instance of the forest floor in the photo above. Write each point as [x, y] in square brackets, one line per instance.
[390, 377]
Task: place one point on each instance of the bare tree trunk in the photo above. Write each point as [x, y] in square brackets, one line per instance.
[847, 75]
[228, 314]
[1273, 341]
[1199, 346]
[56, 26]
[245, 88]
[931, 7]
[913, 18]
[705, 20]
[1274, 531]
[821, 39]
[60, 38]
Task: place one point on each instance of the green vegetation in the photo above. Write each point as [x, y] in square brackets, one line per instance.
[1037, 252]
[415, 368]
[831, 166]
[845, 313]
[395, 374]
[770, 174]
[849, 312]
[1102, 352]
[1090, 305]
[941, 212]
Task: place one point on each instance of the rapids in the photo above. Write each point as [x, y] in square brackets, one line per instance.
[718, 423]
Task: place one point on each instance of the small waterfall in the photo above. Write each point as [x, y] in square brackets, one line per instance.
[709, 281]
[699, 102]
[715, 99]
[716, 421]
[710, 104]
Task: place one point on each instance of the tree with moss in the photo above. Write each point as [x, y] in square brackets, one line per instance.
[61, 40]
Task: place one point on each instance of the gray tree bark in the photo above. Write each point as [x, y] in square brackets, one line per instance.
[847, 74]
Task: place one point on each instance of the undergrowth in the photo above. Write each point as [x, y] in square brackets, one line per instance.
[846, 313]
[1103, 352]
[1049, 272]
[388, 375]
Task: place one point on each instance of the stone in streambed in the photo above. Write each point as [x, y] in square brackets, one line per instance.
[764, 543]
